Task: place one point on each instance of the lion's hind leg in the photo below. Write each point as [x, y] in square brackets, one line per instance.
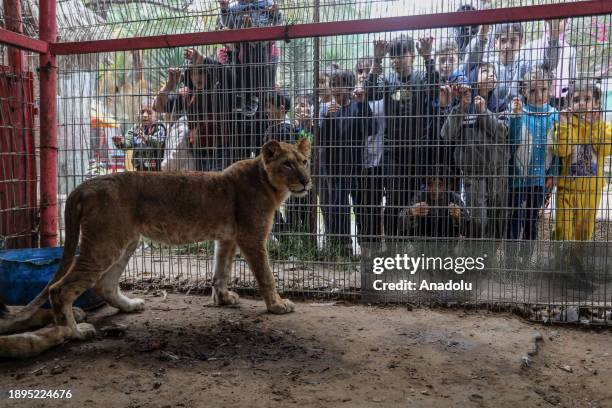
[24, 345]
[224, 255]
[86, 271]
[108, 285]
[41, 318]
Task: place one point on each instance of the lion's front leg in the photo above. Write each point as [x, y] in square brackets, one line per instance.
[224, 255]
[256, 255]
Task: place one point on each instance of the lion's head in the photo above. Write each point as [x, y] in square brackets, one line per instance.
[288, 165]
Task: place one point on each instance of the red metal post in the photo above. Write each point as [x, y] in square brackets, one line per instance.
[48, 127]
[12, 17]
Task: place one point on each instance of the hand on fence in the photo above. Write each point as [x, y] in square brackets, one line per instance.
[480, 104]
[360, 94]
[419, 209]
[333, 107]
[446, 95]
[381, 47]
[517, 106]
[174, 76]
[189, 53]
[454, 210]
[425, 46]
[465, 96]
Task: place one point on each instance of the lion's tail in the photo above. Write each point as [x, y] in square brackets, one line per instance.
[72, 217]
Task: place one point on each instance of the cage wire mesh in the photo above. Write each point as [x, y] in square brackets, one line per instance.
[18, 154]
[415, 141]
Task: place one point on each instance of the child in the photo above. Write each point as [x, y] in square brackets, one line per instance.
[345, 124]
[406, 95]
[448, 62]
[280, 128]
[372, 176]
[510, 64]
[530, 123]
[480, 153]
[436, 212]
[147, 138]
[584, 141]
[303, 116]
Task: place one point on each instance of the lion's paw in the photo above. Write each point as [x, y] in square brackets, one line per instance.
[84, 331]
[226, 298]
[79, 314]
[136, 305]
[282, 307]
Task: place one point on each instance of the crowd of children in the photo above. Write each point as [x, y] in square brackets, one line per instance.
[471, 146]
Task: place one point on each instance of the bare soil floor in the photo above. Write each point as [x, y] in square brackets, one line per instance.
[182, 352]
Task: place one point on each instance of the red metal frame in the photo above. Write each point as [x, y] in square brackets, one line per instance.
[48, 127]
[23, 41]
[493, 16]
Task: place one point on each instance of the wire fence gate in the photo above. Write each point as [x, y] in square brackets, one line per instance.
[459, 132]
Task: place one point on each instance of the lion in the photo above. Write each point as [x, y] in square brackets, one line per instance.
[235, 207]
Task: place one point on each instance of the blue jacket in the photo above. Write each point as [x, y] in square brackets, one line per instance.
[532, 159]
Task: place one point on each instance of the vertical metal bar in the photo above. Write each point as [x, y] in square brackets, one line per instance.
[313, 222]
[48, 127]
[13, 21]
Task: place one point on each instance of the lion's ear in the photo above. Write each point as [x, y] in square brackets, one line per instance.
[303, 146]
[270, 149]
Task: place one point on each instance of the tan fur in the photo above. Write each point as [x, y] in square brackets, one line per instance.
[234, 207]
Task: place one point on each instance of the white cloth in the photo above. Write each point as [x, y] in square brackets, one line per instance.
[178, 154]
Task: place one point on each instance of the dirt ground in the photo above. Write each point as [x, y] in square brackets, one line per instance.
[182, 352]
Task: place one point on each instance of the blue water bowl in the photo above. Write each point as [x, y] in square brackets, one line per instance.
[25, 272]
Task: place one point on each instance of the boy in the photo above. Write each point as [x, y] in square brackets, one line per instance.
[510, 63]
[584, 141]
[480, 153]
[345, 124]
[372, 177]
[448, 62]
[279, 128]
[406, 95]
[530, 123]
[436, 212]
[147, 138]
[303, 116]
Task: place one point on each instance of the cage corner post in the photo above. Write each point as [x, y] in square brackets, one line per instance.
[48, 127]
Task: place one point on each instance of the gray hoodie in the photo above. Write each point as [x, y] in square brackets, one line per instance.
[480, 142]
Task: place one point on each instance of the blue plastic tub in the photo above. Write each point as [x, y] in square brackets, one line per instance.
[25, 272]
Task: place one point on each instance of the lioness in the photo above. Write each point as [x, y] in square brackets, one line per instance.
[234, 207]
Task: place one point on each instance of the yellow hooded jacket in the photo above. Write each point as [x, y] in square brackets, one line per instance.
[583, 148]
